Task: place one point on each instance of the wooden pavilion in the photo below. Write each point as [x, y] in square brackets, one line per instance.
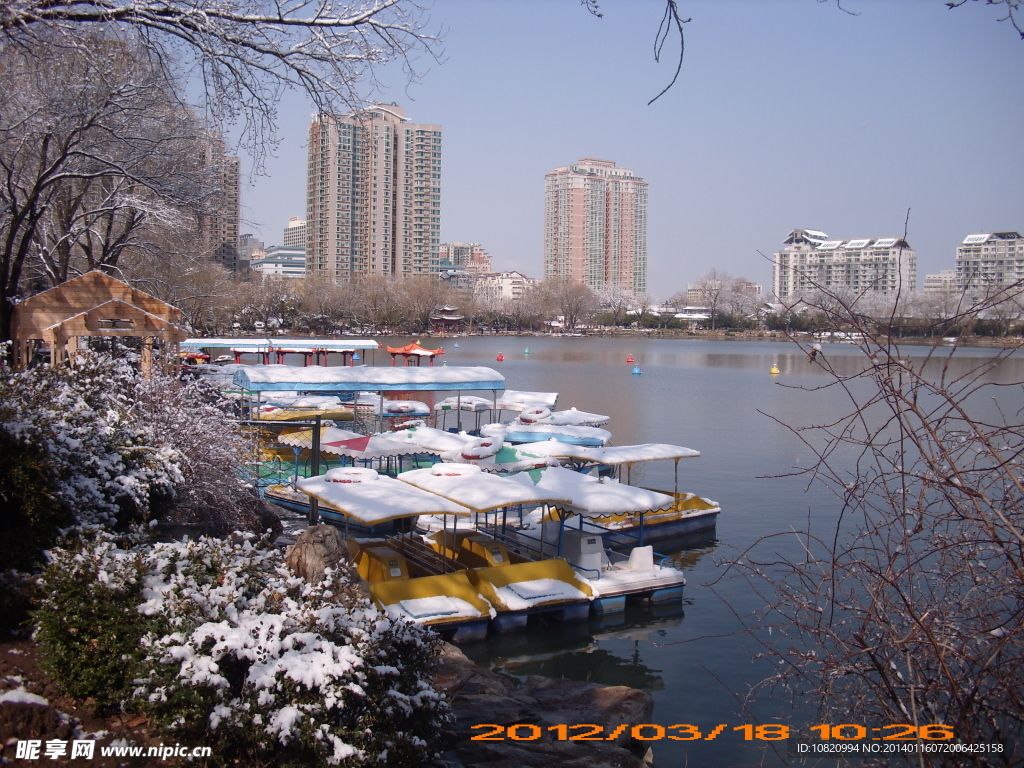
[94, 304]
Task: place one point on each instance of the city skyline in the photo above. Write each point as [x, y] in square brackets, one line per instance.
[786, 115]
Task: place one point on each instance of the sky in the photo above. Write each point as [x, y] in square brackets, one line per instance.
[787, 114]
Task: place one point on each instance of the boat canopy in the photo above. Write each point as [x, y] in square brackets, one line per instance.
[520, 400]
[369, 498]
[263, 345]
[465, 484]
[611, 455]
[430, 440]
[593, 497]
[260, 378]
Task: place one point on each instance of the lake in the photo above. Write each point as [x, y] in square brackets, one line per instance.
[710, 396]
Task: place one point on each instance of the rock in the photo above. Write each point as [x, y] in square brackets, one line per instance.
[268, 519]
[318, 548]
[479, 696]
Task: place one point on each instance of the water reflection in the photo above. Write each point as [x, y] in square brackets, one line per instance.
[582, 651]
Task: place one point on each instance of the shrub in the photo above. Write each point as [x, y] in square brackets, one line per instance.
[259, 664]
[221, 645]
[88, 623]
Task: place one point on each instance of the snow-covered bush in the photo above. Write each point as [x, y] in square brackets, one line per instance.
[98, 465]
[100, 444]
[237, 653]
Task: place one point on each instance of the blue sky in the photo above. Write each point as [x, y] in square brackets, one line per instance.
[787, 113]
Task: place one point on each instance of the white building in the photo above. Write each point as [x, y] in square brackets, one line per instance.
[940, 282]
[498, 286]
[373, 195]
[810, 261]
[295, 234]
[987, 263]
[280, 261]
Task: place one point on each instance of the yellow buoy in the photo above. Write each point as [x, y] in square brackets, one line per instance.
[774, 371]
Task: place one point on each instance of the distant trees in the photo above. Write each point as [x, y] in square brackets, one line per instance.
[573, 301]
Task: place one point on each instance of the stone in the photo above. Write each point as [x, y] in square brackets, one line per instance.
[479, 695]
[318, 548]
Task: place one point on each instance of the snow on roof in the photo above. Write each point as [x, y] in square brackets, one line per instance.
[564, 430]
[377, 500]
[593, 497]
[437, 606]
[332, 344]
[829, 245]
[465, 403]
[862, 243]
[574, 418]
[519, 400]
[885, 242]
[350, 379]
[431, 440]
[631, 454]
[482, 492]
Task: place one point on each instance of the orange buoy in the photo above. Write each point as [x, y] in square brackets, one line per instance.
[630, 359]
[500, 357]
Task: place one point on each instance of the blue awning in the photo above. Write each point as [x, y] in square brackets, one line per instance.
[268, 378]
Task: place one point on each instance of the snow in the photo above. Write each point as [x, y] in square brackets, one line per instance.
[349, 379]
[21, 696]
[480, 492]
[593, 497]
[431, 440]
[535, 432]
[520, 400]
[432, 607]
[523, 595]
[377, 501]
[465, 402]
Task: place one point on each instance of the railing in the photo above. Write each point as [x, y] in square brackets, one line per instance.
[423, 555]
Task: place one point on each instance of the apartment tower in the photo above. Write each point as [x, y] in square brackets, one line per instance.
[373, 195]
[219, 224]
[595, 225]
[810, 261]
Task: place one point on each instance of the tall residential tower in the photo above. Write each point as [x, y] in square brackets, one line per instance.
[595, 225]
[373, 195]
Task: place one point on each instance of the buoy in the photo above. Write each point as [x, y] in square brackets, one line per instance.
[444, 364]
[526, 351]
[355, 355]
[500, 357]
[456, 345]
[630, 359]
[774, 371]
[636, 370]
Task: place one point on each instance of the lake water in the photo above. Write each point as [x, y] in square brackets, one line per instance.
[718, 398]
[710, 396]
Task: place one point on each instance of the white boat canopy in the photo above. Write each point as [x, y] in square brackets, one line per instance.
[593, 497]
[540, 430]
[520, 400]
[369, 498]
[263, 345]
[465, 484]
[430, 440]
[345, 379]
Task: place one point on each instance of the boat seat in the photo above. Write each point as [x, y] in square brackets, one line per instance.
[641, 559]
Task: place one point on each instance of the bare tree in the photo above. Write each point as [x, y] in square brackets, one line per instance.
[615, 299]
[242, 53]
[911, 609]
[419, 297]
[573, 300]
[712, 286]
[377, 302]
[92, 152]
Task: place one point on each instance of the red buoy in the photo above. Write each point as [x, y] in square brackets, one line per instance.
[630, 359]
[500, 357]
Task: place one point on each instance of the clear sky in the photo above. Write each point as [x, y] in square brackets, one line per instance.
[788, 113]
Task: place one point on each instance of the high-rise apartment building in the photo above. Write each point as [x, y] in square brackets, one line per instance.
[472, 257]
[295, 233]
[373, 195]
[810, 261]
[595, 225]
[989, 263]
[219, 225]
